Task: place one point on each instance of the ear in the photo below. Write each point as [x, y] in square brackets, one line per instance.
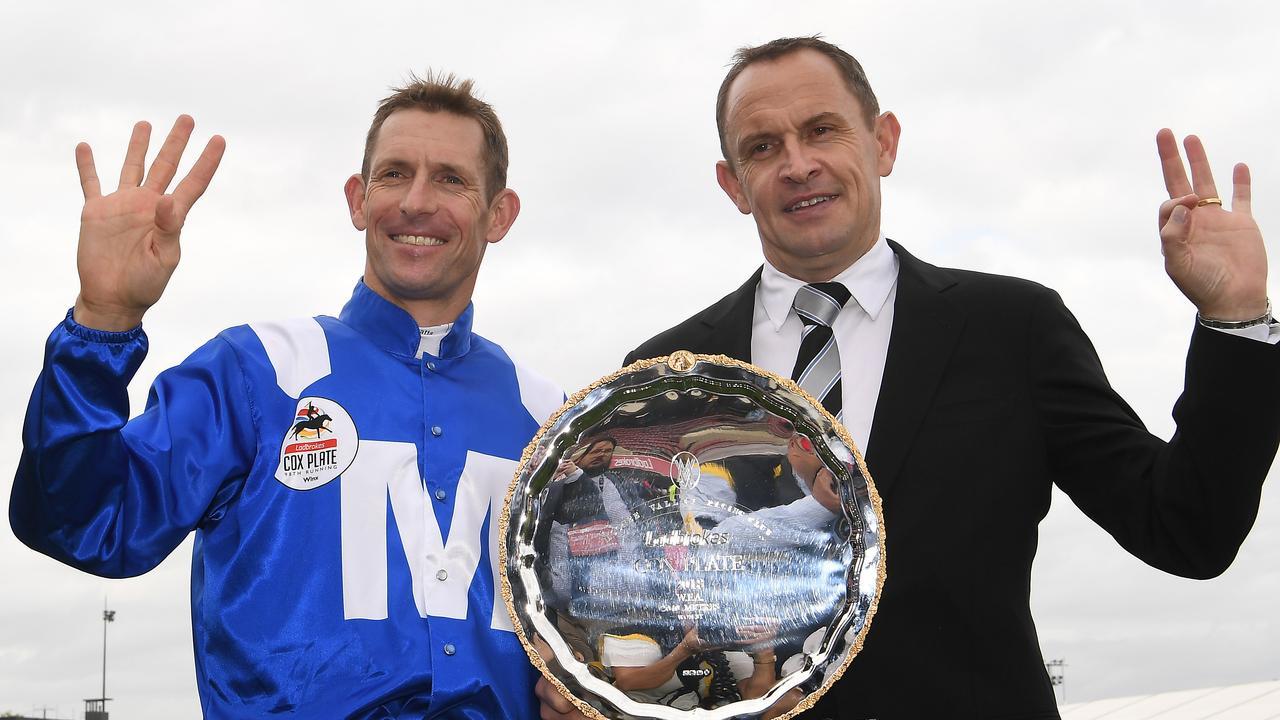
[355, 200]
[732, 187]
[503, 210]
[887, 132]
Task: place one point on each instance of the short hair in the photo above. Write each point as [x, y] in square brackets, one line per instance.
[596, 441]
[446, 93]
[854, 77]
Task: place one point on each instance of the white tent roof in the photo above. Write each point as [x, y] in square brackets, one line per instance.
[1255, 701]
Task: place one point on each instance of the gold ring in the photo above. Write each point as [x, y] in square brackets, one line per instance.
[1209, 201]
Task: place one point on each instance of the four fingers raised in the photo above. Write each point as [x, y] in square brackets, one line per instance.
[171, 211]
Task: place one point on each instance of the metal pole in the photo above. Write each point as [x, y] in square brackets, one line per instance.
[107, 616]
[104, 649]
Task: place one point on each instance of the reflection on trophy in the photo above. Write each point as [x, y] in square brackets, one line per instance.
[692, 535]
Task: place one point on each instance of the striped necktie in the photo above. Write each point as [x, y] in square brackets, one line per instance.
[817, 368]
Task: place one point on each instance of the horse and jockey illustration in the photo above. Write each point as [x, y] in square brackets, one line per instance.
[313, 423]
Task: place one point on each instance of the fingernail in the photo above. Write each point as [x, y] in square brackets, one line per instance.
[1179, 214]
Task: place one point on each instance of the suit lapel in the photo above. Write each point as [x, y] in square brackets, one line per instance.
[925, 328]
[729, 325]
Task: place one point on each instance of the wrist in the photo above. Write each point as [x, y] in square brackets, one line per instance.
[106, 319]
[1236, 318]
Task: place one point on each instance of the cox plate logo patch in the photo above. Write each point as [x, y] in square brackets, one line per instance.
[319, 446]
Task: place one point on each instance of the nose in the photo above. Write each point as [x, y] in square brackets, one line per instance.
[799, 164]
[419, 198]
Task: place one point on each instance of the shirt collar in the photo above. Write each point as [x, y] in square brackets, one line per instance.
[869, 280]
[393, 329]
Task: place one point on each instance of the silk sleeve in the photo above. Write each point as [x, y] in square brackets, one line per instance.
[114, 496]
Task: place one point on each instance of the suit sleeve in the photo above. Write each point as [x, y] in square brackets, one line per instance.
[113, 496]
[1184, 506]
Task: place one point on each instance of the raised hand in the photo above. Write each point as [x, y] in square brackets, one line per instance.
[1215, 256]
[129, 239]
[565, 469]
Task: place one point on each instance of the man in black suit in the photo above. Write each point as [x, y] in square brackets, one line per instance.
[974, 393]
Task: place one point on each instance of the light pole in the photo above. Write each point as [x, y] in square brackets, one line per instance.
[108, 616]
[96, 708]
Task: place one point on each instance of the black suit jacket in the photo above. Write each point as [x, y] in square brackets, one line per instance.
[992, 392]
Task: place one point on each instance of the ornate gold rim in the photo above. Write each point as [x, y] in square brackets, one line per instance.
[686, 361]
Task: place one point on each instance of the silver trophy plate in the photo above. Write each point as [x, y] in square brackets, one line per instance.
[692, 537]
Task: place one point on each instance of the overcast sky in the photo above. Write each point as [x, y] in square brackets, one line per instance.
[1027, 149]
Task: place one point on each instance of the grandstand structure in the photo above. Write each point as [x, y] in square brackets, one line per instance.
[1252, 701]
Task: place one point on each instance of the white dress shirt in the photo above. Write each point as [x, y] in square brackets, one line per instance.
[861, 331]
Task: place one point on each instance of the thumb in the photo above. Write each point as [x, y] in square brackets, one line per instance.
[169, 219]
[1173, 235]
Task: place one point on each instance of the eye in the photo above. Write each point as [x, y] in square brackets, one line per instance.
[392, 175]
[452, 180]
[759, 148]
[821, 130]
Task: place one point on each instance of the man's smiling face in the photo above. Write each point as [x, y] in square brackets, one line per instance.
[425, 212]
[805, 163]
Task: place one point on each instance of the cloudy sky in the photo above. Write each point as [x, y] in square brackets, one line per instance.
[1027, 148]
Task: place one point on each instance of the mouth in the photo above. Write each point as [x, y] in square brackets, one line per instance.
[421, 240]
[809, 202]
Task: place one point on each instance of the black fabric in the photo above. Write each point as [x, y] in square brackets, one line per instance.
[761, 481]
[992, 393]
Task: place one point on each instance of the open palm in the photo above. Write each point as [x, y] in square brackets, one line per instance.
[129, 245]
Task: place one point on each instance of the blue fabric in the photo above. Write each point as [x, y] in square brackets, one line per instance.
[114, 497]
